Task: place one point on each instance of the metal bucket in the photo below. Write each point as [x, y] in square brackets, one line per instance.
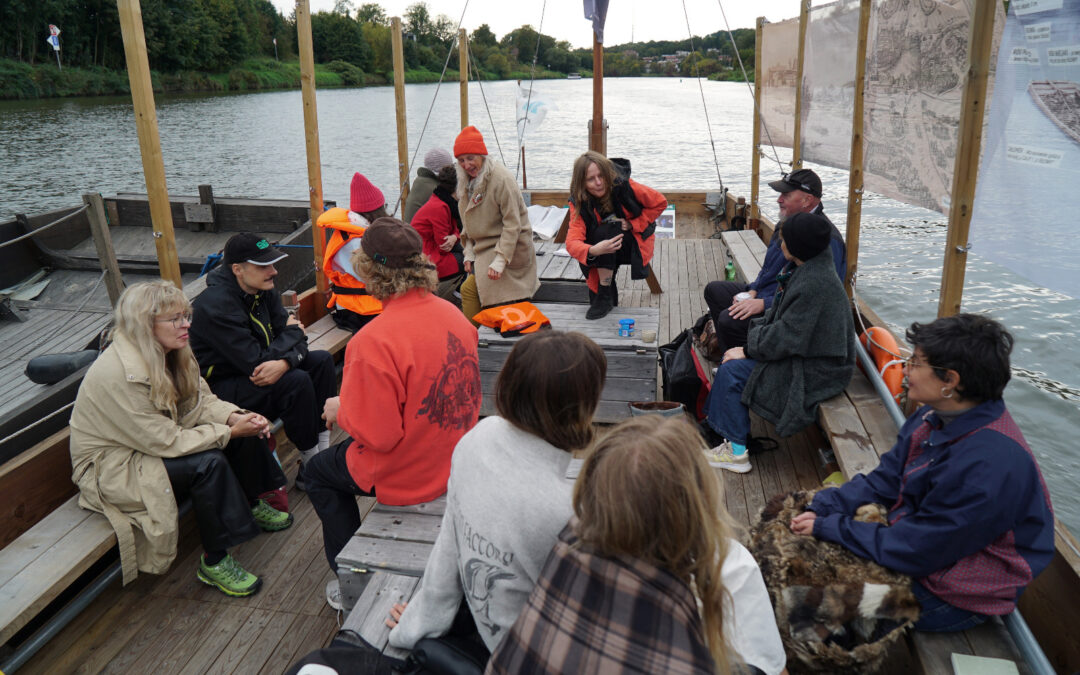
[662, 408]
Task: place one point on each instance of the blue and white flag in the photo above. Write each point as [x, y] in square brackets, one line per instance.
[596, 11]
[532, 108]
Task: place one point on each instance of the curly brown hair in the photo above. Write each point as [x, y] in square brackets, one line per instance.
[383, 282]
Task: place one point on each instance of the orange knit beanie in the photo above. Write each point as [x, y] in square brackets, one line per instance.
[469, 142]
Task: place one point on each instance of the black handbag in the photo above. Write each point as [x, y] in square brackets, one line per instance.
[684, 382]
[449, 655]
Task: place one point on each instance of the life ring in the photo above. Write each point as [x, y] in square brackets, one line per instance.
[882, 347]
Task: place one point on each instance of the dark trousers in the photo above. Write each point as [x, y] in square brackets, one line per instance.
[297, 397]
[718, 296]
[222, 485]
[333, 493]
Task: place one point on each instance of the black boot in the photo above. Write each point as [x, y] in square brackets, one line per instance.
[600, 303]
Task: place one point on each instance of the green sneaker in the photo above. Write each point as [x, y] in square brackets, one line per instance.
[269, 518]
[228, 577]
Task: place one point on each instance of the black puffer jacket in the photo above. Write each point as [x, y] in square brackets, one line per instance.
[232, 332]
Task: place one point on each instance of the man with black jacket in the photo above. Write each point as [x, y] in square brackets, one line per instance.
[253, 353]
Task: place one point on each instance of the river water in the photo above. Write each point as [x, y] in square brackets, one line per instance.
[253, 145]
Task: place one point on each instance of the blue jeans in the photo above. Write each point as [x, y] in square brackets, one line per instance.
[938, 616]
[726, 413]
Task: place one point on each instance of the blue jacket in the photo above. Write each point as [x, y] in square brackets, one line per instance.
[774, 262]
[969, 513]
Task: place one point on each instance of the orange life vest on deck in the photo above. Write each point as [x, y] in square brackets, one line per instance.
[346, 290]
[516, 319]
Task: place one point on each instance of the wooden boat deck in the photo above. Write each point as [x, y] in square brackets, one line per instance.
[173, 623]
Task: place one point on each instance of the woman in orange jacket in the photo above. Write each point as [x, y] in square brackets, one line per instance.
[605, 206]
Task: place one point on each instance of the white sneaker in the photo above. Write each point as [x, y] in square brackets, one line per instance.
[722, 457]
[333, 594]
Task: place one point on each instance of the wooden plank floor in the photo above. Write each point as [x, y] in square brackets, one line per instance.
[173, 623]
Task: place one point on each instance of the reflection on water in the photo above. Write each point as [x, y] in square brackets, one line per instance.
[253, 145]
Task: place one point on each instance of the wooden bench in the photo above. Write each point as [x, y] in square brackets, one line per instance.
[382, 565]
[41, 563]
[631, 369]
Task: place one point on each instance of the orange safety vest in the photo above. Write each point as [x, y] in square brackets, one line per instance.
[346, 290]
[516, 319]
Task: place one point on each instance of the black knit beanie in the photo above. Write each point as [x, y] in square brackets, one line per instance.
[806, 235]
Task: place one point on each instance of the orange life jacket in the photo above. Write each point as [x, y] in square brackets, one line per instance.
[346, 290]
[516, 319]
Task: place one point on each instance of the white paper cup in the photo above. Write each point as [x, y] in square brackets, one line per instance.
[648, 336]
[739, 297]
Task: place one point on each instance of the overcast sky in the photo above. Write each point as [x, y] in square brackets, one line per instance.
[640, 20]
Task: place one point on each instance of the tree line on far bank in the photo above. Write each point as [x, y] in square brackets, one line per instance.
[188, 37]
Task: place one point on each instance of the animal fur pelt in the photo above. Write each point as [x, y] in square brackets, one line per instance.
[837, 612]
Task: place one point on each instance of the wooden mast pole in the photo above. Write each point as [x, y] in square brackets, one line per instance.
[796, 143]
[463, 61]
[855, 175]
[597, 138]
[311, 137]
[966, 169]
[399, 106]
[755, 160]
[142, 96]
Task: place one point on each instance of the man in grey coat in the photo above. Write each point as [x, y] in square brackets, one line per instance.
[801, 352]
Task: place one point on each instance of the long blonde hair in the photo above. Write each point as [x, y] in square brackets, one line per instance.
[646, 491]
[174, 376]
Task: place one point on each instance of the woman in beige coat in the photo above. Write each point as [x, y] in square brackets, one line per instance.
[146, 432]
[496, 233]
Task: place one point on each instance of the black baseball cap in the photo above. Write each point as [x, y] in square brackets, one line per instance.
[803, 179]
[251, 248]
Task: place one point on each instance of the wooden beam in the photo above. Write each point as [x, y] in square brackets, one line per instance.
[311, 135]
[855, 174]
[796, 143]
[399, 107]
[99, 229]
[597, 139]
[966, 168]
[142, 96]
[755, 160]
[463, 62]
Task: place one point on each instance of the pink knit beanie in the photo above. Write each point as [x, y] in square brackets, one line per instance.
[363, 196]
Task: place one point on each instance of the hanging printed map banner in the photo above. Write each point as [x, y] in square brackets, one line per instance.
[829, 83]
[779, 62]
[916, 66]
[1024, 213]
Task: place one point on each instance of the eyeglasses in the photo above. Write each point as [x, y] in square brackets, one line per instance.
[910, 362]
[178, 320]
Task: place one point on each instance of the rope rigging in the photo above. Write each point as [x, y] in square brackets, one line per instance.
[701, 89]
[532, 78]
[434, 97]
[34, 233]
[746, 79]
[487, 108]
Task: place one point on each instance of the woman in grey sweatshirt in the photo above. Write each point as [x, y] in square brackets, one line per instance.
[508, 496]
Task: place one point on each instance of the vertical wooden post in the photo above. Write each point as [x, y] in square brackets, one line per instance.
[99, 228]
[755, 160]
[311, 137]
[206, 196]
[855, 175]
[597, 138]
[796, 143]
[399, 106]
[142, 96]
[463, 60]
[969, 141]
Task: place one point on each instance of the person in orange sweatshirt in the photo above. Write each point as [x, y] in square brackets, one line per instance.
[612, 220]
[410, 391]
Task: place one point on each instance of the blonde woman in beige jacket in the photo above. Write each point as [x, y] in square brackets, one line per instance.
[146, 432]
[496, 232]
